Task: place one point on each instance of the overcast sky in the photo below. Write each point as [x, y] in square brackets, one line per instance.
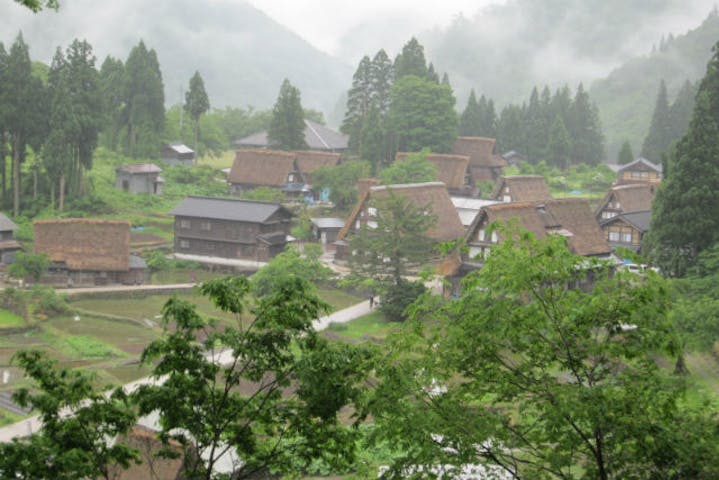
[324, 22]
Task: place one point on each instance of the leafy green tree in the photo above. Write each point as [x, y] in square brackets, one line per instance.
[585, 130]
[68, 446]
[382, 77]
[659, 137]
[196, 102]
[144, 113]
[341, 181]
[511, 131]
[488, 118]
[685, 212]
[112, 75]
[264, 194]
[303, 264]
[559, 147]
[536, 128]
[237, 123]
[374, 145]
[542, 381]
[422, 115]
[359, 98]
[385, 254]
[33, 265]
[411, 61]
[268, 389]
[37, 5]
[413, 169]
[470, 124]
[625, 154]
[287, 126]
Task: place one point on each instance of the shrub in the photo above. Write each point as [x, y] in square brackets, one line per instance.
[398, 297]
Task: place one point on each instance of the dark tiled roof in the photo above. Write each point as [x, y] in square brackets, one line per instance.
[328, 222]
[640, 220]
[317, 137]
[226, 209]
[6, 224]
[639, 161]
[274, 238]
[180, 148]
[140, 168]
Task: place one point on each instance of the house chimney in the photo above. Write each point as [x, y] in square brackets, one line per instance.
[364, 184]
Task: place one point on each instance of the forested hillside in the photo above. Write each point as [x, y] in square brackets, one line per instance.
[242, 53]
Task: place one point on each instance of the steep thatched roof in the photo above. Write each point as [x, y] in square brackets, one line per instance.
[262, 167]
[522, 188]
[480, 151]
[570, 217]
[631, 198]
[432, 194]
[85, 243]
[451, 169]
[309, 160]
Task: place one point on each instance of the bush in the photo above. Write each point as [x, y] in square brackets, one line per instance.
[158, 261]
[398, 297]
[48, 302]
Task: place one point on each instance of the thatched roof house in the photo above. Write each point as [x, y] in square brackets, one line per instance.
[452, 170]
[522, 188]
[88, 251]
[308, 161]
[432, 194]
[569, 217]
[484, 163]
[270, 168]
[626, 198]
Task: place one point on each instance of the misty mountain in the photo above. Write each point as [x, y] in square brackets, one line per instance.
[626, 97]
[506, 49]
[242, 54]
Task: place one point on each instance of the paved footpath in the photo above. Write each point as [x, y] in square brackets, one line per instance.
[32, 424]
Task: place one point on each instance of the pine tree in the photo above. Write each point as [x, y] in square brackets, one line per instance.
[432, 74]
[445, 80]
[287, 126]
[3, 119]
[659, 138]
[373, 146]
[144, 115]
[685, 213]
[536, 128]
[680, 113]
[625, 154]
[510, 130]
[112, 74]
[359, 98]
[561, 104]
[489, 120]
[196, 103]
[470, 122]
[559, 147]
[411, 61]
[585, 130]
[381, 79]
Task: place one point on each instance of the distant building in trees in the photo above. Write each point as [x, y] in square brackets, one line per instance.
[8, 245]
[139, 178]
[521, 188]
[624, 214]
[88, 251]
[484, 163]
[640, 170]
[318, 137]
[326, 229]
[230, 228]
[514, 158]
[627, 229]
[452, 170]
[177, 154]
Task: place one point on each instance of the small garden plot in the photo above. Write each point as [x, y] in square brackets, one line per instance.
[90, 348]
[122, 337]
[10, 320]
[371, 327]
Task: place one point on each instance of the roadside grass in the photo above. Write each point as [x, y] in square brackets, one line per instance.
[10, 320]
[704, 374]
[218, 163]
[373, 326]
[182, 275]
[339, 299]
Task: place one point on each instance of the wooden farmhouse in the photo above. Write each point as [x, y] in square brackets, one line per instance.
[640, 170]
[326, 229]
[624, 199]
[521, 188]
[433, 195]
[513, 158]
[231, 228]
[452, 170]
[177, 154]
[86, 251]
[627, 229]
[318, 137]
[290, 172]
[484, 164]
[139, 178]
[8, 245]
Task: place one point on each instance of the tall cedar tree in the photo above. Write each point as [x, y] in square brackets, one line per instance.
[537, 129]
[470, 122]
[196, 103]
[685, 212]
[411, 61]
[659, 137]
[374, 142]
[422, 115]
[625, 154]
[585, 130]
[287, 126]
[489, 119]
[112, 74]
[559, 147]
[359, 98]
[144, 114]
[680, 113]
[381, 78]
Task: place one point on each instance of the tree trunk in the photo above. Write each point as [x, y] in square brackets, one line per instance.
[197, 128]
[61, 193]
[16, 178]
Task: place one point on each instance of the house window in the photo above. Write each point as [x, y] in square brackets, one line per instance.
[494, 237]
[627, 237]
[372, 212]
[185, 223]
[205, 225]
[506, 199]
[184, 244]
[613, 236]
[480, 236]
[291, 178]
[607, 214]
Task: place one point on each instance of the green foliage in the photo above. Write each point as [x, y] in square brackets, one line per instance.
[196, 103]
[685, 212]
[341, 181]
[305, 265]
[558, 382]
[659, 137]
[559, 147]
[89, 347]
[38, 300]
[625, 154]
[158, 261]
[415, 168]
[33, 265]
[264, 194]
[243, 402]
[422, 115]
[37, 5]
[287, 126]
[411, 61]
[396, 299]
[77, 443]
